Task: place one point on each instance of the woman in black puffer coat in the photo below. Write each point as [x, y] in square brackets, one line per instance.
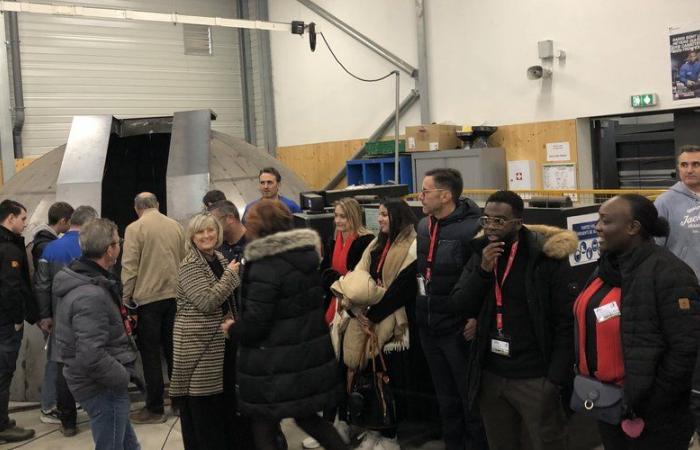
[286, 365]
[638, 328]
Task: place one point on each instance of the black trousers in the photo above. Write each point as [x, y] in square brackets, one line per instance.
[10, 341]
[265, 432]
[447, 360]
[65, 403]
[508, 404]
[203, 423]
[238, 425]
[667, 430]
[155, 335]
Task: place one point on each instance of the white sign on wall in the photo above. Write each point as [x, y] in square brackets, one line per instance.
[558, 151]
[521, 175]
[588, 250]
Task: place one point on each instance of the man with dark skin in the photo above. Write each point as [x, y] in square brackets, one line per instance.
[519, 285]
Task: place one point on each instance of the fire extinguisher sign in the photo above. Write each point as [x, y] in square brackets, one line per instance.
[588, 250]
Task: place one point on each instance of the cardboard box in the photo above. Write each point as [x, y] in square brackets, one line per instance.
[429, 138]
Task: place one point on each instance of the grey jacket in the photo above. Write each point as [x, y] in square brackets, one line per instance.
[90, 335]
[681, 207]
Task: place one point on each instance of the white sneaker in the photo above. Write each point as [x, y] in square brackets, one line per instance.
[343, 430]
[387, 444]
[369, 441]
[50, 416]
[310, 442]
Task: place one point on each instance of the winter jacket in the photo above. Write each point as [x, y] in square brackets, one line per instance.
[17, 302]
[42, 236]
[55, 257]
[550, 292]
[389, 314]
[198, 343]
[681, 207]
[452, 252]
[357, 247]
[659, 328]
[154, 245]
[286, 365]
[90, 335]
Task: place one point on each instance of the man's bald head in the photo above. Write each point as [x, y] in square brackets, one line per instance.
[145, 200]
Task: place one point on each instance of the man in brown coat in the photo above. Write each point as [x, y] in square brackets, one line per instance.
[153, 248]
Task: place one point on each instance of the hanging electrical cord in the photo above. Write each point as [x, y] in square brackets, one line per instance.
[366, 80]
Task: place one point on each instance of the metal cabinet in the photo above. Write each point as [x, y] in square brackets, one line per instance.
[481, 168]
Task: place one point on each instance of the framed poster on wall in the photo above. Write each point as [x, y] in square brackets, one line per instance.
[685, 62]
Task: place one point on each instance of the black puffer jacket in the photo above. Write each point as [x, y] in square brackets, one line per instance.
[357, 247]
[660, 329]
[17, 302]
[286, 363]
[550, 292]
[453, 250]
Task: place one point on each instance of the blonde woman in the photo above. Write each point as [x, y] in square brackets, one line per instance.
[206, 282]
[342, 253]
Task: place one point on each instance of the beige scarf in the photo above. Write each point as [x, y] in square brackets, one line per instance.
[392, 332]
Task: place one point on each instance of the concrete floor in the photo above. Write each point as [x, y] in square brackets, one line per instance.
[151, 437]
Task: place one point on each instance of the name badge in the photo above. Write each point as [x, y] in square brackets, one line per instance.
[605, 312]
[500, 345]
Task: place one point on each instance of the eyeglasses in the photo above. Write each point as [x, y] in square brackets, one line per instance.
[425, 191]
[495, 221]
[120, 242]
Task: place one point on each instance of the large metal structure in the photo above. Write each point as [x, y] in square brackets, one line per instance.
[107, 161]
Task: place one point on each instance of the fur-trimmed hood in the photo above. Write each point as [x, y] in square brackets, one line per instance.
[555, 242]
[558, 243]
[281, 242]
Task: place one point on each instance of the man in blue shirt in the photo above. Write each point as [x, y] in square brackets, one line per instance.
[270, 180]
[690, 70]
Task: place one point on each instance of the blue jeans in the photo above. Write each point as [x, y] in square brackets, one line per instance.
[48, 386]
[109, 420]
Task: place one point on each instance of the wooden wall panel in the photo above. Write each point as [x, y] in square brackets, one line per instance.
[317, 163]
[528, 141]
[19, 165]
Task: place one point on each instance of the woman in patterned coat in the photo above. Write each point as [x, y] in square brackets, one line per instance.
[206, 282]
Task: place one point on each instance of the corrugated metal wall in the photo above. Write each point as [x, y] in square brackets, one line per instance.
[88, 66]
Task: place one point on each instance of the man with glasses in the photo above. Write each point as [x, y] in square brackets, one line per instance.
[56, 256]
[93, 336]
[154, 245]
[443, 247]
[520, 286]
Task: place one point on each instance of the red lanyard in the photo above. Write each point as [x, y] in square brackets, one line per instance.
[497, 288]
[382, 258]
[433, 244]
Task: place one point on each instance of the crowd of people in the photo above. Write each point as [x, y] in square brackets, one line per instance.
[258, 321]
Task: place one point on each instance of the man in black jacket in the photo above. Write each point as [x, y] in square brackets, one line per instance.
[16, 305]
[59, 222]
[443, 247]
[519, 285]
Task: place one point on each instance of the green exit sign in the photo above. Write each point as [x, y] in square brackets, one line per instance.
[643, 100]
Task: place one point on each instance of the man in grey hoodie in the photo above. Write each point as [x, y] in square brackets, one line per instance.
[681, 207]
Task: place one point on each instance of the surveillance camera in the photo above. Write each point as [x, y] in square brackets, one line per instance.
[537, 72]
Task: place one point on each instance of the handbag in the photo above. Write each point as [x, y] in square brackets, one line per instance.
[595, 398]
[371, 401]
